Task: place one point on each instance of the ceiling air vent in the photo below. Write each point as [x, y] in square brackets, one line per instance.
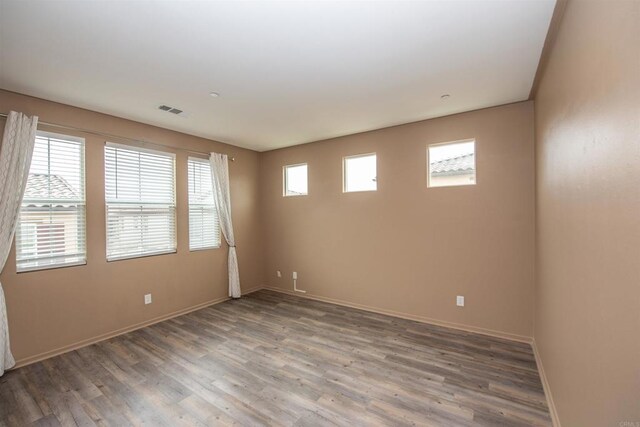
[172, 110]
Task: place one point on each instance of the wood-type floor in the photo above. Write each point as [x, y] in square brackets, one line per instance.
[275, 359]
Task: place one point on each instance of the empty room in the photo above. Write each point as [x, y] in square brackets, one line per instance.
[320, 213]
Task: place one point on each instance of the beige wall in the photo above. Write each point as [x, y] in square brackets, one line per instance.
[587, 317]
[407, 248]
[51, 309]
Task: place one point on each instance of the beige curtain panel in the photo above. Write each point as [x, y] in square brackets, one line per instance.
[220, 178]
[15, 161]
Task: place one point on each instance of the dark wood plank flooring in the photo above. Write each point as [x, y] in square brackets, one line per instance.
[275, 359]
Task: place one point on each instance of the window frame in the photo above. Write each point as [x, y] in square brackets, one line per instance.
[284, 180]
[345, 171]
[219, 242]
[83, 223]
[475, 162]
[171, 154]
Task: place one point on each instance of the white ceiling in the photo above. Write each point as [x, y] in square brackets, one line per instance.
[288, 72]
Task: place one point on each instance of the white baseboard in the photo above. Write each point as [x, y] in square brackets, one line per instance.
[83, 343]
[421, 319]
[545, 384]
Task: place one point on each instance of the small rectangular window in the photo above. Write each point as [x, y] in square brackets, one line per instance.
[204, 229]
[452, 163]
[360, 173]
[51, 225]
[295, 180]
[141, 202]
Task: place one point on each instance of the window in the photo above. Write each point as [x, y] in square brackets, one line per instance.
[51, 228]
[141, 202]
[452, 163]
[360, 173]
[295, 180]
[204, 230]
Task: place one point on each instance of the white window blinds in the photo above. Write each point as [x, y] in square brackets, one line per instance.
[141, 202]
[204, 229]
[51, 225]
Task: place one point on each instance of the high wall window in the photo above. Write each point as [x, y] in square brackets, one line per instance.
[204, 229]
[51, 227]
[141, 202]
[360, 173]
[452, 163]
[295, 180]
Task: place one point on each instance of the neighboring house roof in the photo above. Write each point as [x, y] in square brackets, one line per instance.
[460, 165]
[44, 186]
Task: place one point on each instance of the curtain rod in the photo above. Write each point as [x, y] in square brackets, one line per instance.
[107, 135]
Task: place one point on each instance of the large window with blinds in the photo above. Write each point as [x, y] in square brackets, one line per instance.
[141, 202]
[51, 224]
[204, 229]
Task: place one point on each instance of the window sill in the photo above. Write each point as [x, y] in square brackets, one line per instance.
[50, 267]
[204, 249]
[359, 191]
[452, 185]
[125, 257]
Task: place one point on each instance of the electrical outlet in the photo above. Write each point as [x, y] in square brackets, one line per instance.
[460, 301]
[147, 299]
[295, 275]
[279, 273]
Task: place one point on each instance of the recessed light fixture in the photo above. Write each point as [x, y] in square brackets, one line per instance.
[214, 94]
[445, 96]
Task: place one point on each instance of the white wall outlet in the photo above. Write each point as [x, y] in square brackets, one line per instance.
[147, 299]
[460, 301]
[295, 275]
[279, 273]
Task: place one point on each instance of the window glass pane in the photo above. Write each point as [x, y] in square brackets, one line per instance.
[452, 164]
[51, 229]
[140, 199]
[360, 173]
[295, 180]
[204, 229]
